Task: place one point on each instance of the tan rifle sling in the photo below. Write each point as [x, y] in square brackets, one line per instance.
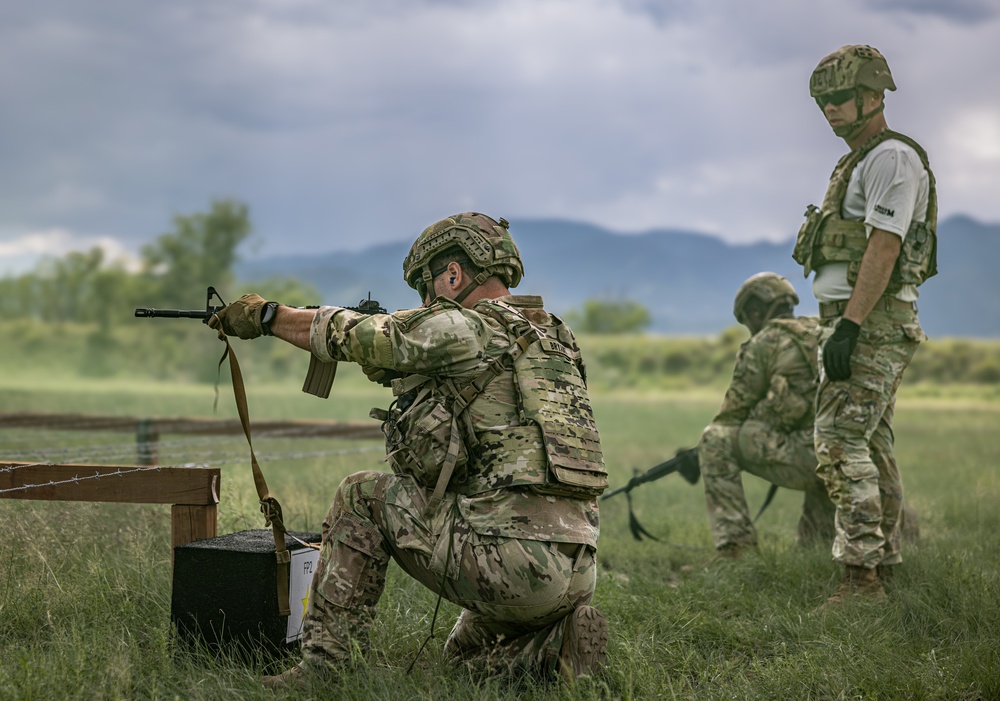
[269, 505]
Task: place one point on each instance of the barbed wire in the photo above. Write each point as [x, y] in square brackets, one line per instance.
[36, 446]
[110, 451]
[197, 465]
[70, 480]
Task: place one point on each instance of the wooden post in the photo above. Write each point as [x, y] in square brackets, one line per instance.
[191, 522]
[146, 439]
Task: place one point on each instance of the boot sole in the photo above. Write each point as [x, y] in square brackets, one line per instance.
[586, 647]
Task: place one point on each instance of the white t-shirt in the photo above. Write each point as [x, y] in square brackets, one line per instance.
[887, 190]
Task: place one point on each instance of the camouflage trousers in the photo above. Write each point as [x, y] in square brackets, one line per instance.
[515, 594]
[785, 459]
[854, 440]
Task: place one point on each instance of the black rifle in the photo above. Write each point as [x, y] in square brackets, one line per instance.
[203, 314]
[320, 376]
[365, 306]
[685, 462]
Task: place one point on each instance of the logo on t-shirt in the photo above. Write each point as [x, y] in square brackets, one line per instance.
[885, 211]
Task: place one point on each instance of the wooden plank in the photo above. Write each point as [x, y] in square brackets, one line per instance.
[189, 523]
[110, 483]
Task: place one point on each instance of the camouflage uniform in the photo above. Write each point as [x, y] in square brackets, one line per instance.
[854, 441]
[765, 427]
[517, 562]
[884, 183]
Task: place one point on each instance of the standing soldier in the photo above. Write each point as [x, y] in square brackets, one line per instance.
[496, 463]
[765, 425]
[871, 243]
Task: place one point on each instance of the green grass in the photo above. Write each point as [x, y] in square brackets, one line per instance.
[85, 588]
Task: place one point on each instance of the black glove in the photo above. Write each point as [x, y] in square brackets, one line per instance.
[838, 349]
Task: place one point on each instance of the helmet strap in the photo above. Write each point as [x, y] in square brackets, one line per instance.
[428, 278]
[847, 130]
[482, 277]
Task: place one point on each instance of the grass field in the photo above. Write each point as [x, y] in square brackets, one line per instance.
[85, 588]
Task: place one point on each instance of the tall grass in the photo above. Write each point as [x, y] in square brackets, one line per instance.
[85, 588]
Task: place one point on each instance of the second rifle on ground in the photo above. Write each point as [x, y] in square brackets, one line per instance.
[685, 462]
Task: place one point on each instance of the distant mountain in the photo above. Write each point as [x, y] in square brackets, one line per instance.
[687, 280]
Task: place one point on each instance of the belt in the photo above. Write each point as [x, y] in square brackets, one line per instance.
[830, 309]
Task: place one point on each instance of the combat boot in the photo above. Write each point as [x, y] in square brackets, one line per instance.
[585, 643]
[301, 676]
[858, 581]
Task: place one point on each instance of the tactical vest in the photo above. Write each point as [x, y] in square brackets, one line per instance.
[554, 448]
[826, 237]
[789, 404]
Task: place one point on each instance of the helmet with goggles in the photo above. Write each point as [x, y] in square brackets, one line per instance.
[840, 77]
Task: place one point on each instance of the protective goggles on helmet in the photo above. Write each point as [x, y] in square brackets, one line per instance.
[836, 98]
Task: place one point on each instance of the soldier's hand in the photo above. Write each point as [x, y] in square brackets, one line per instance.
[378, 375]
[241, 318]
[838, 349]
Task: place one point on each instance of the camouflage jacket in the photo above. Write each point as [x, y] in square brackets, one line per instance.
[775, 376]
[448, 341]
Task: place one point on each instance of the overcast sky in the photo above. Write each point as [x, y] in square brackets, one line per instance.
[342, 124]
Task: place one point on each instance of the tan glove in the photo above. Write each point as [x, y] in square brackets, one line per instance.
[378, 375]
[241, 318]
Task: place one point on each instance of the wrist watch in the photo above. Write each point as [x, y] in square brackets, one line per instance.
[267, 314]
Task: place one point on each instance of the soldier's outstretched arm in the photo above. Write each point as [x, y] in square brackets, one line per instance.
[292, 325]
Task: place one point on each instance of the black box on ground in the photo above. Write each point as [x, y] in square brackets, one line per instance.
[225, 591]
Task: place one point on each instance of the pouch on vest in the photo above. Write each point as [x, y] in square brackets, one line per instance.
[553, 395]
[782, 409]
[802, 253]
[418, 436]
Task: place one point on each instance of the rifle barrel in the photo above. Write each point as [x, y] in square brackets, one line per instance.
[147, 313]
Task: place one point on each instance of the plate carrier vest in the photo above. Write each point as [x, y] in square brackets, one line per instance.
[826, 237]
[555, 449]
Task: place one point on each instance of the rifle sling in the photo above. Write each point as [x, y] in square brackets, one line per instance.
[269, 505]
[767, 501]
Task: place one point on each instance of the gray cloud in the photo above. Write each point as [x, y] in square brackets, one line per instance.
[343, 124]
[969, 12]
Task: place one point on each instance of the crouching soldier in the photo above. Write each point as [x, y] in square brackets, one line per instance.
[496, 461]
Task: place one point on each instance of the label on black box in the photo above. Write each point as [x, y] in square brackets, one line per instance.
[301, 569]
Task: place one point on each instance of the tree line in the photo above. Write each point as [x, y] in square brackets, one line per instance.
[172, 272]
[92, 298]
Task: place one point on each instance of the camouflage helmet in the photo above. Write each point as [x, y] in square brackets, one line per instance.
[486, 242]
[848, 67]
[769, 288]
